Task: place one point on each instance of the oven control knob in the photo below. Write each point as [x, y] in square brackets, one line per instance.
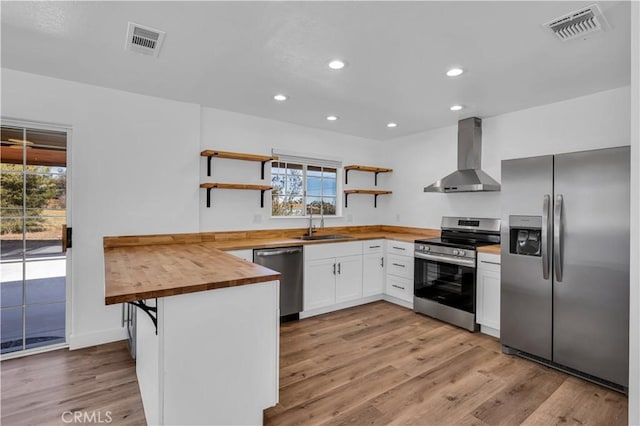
[427, 248]
[461, 252]
[456, 252]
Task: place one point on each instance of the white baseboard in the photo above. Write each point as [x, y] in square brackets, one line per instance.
[338, 306]
[490, 331]
[77, 341]
[397, 301]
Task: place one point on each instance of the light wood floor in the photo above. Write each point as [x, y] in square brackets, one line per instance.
[373, 364]
[38, 389]
[383, 364]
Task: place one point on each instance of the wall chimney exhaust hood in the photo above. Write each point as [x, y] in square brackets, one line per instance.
[469, 177]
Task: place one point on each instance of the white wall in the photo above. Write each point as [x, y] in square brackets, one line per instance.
[634, 329]
[133, 171]
[595, 121]
[233, 209]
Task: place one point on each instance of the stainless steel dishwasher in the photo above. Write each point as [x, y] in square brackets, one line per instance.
[289, 262]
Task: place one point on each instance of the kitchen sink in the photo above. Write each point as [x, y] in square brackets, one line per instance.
[323, 237]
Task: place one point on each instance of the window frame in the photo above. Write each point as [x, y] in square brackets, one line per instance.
[305, 196]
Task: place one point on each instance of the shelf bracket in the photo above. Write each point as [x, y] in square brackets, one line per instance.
[346, 180]
[209, 197]
[209, 165]
[149, 310]
[375, 179]
[262, 198]
[346, 200]
[375, 200]
[262, 171]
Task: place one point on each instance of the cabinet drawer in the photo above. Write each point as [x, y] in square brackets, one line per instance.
[401, 248]
[373, 246]
[489, 262]
[400, 266]
[328, 250]
[402, 288]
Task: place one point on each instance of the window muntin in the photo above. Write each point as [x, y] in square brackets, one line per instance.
[300, 187]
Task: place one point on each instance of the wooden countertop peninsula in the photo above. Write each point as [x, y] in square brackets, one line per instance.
[149, 271]
[149, 266]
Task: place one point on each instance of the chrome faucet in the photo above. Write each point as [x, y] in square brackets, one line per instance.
[312, 228]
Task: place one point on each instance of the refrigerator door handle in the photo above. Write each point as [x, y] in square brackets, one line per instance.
[546, 228]
[557, 237]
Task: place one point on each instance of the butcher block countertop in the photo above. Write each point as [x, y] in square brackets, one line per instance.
[149, 266]
[493, 249]
[146, 272]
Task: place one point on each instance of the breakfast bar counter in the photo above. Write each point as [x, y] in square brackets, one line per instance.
[207, 333]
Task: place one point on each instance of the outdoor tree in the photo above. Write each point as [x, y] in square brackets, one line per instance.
[41, 192]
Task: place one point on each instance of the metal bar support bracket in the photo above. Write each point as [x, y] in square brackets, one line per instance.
[149, 310]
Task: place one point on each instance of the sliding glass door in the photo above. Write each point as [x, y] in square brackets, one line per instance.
[32, 258]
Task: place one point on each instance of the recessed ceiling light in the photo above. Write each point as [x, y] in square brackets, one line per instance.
[336, 64]
[456, 107]
[280, 97]
[391, 125]
[332, 117]
[454, 72]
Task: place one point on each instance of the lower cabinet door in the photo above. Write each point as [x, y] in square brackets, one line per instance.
[373, 274]
[319, 284]
[348, 278]
[399, 287]
[488, 298]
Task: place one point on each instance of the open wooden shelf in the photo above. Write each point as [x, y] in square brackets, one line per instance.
[213, 185]
[369, 169]
[373, 192]
[210, 153]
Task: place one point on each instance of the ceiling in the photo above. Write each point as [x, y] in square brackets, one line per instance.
[237, 55]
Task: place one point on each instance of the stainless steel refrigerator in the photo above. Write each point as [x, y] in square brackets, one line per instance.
[565, 262]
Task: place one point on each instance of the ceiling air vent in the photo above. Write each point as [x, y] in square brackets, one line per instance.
[143, 39]
[580, 23]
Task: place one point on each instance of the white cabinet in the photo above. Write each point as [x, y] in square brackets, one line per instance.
[400, 248]
[333, 274]
[401, 288]
[488, 293]
[242, 254]
[399, 276]
[319, 283]
[373, 268]
[348, 278]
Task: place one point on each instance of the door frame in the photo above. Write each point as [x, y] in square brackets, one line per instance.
[68, 129]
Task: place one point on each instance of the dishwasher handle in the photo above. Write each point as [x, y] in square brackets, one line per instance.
[278, 252]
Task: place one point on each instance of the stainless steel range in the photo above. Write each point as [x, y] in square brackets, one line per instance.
[445, 269]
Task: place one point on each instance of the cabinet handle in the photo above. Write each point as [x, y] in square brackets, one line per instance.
[122, 319]
[399, 248]
[334, 269]
[397, 264]
[339, 268]
[382, 262]
[374, 246]
[397, 286]
[491, 263]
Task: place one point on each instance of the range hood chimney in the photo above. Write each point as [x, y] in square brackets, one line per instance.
[469, 177]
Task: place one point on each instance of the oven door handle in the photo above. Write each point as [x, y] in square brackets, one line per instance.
[444, 259]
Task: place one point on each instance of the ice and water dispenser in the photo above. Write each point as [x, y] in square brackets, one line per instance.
[525, 235]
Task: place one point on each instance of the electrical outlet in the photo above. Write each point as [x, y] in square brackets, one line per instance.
[397, 217]
[257, 218]
[349, 218]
